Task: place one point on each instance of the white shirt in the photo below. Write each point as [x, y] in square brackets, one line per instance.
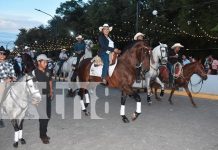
[111, 43]
[63, 56]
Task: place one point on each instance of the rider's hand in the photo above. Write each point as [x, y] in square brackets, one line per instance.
[116, 50]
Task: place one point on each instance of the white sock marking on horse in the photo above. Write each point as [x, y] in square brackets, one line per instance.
[87, 98]
[122, 110]
[16, 136]
[82, 105]
[138, 107]
[20, 134]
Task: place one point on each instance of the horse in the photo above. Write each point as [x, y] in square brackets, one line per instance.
[88, 50]
[185, 76]
[122, 78]
[66, 68]
[28, 63]
[15, 103]
[159, 53]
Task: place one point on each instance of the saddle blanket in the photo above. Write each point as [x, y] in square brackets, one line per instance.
[97, 70]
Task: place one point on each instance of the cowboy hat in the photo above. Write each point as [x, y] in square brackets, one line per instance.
[63, 50]
[138, 34]
[105, 25]
[26, 47]
[2, 49]
[177, 45]
[79, 37]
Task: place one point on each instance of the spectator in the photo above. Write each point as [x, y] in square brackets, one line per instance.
[185, 60]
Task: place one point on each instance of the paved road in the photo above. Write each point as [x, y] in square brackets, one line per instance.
[160, 127]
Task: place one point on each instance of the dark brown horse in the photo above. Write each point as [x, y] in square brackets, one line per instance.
[123, 76]
[28, 64]
[185, 76]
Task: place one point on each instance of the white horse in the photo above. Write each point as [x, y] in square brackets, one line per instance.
[88, 50]
[14, 103]
[159, 53]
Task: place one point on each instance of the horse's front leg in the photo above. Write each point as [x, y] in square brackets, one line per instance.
[190, 96]
[162, 86]
[122, 108]
[138, 106]
[171, 94]
[83, 92]
[148, 79]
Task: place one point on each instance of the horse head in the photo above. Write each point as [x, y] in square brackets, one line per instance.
[89, 43]
[199, 70]
[161, 52]
[143, 53]
[32, 88]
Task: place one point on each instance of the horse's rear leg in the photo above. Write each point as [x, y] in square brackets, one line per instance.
[156, 96]
[122, 108]
[18, 135]
[83, 92]
[171, 94]
[190, 96]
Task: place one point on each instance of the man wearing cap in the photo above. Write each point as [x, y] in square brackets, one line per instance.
[44, 108]
[62, 57]
[7, 74]
[173, 58]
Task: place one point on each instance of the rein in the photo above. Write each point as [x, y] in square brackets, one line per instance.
[192, 85]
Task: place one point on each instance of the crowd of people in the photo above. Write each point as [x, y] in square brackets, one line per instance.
[107, 45]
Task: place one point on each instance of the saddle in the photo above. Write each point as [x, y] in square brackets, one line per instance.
[98, 61]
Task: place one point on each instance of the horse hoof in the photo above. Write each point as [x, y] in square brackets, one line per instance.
[87, 113]
[15, 145]
[195, 106]
[135, 116]
[125, 119]
[22, 141]
[171, 103]
[162, 93]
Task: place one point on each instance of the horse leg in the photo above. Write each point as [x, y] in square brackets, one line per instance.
[190, 96]
[156, 96]
[87, 98]
[81, 93]
[138, 106]
[21, 132]
[122, 108]
[148, 91]
[171, 94]
[16, 133]
[162, 86]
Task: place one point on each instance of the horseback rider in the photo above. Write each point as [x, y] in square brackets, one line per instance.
[62, 57]
[106, 46]
[7, 75]
[138, 37]
[172, 60]
[79, 48]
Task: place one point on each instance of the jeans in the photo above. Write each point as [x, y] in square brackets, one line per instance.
[105, 58]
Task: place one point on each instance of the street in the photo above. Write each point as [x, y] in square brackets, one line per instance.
[161, 126]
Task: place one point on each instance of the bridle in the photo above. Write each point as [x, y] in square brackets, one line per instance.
[163, 57]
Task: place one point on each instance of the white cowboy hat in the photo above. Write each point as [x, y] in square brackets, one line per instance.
[63, 50]
[177, 45]
[79, 37]
[105, 25]
[138, 34]
[18, 54]
[26, 47]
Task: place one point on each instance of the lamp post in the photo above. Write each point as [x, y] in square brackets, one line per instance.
[56, 31]
[137, 16]
[156, 37]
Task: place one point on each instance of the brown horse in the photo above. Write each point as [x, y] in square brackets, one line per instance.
[185, 76]
[123, 76]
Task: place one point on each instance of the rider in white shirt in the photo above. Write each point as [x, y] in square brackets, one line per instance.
[63, 57]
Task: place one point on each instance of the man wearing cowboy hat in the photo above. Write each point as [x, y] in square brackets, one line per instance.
[139, 36]
[79, 49]
[7, 74]
[173, 58]
[62, 57]
[106, 46]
